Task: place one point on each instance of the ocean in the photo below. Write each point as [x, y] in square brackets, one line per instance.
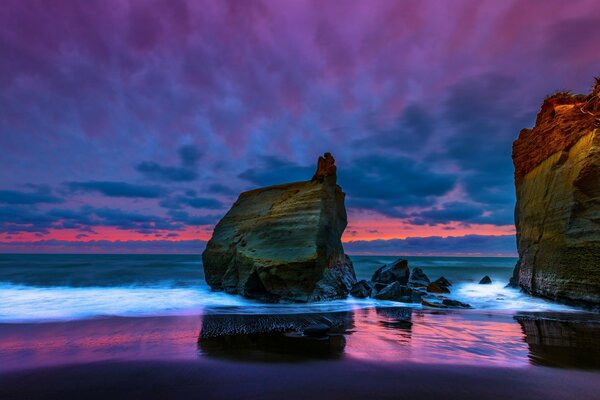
[40, 288]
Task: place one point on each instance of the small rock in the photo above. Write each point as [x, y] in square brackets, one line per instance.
[486, 280]
[418, 278]
[442, 281]
[434, 287]
[434, 305]
[395, 272]
[455, 303]
[317, 330]
[362, 289]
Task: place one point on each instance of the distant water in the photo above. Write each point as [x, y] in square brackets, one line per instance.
[56, 287]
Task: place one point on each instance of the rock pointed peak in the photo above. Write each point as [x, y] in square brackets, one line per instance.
[325, 168]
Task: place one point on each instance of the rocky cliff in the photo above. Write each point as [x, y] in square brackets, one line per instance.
[557, 216]
[284, 242]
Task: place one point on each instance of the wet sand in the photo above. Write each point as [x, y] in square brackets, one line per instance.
[368, 353]
[204, 379]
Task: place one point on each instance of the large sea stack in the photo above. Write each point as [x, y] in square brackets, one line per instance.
[557, 216]
[283, 243]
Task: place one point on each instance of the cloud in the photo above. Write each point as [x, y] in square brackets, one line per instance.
[273, 170]
[158, 172]
[190, 199]
[189, 155]
[19, 197]
[117, 189]
[482, 245]
[418, 103]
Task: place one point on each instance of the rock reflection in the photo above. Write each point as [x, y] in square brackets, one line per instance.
[562, 340]
[398, 319]
[275, 338]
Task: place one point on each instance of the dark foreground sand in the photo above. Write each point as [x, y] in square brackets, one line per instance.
[211, 379]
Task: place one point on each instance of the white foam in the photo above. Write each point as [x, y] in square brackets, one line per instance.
[497, 296]
[20, 303]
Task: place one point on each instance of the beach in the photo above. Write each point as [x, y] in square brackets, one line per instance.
[383, 353]
[114, 327]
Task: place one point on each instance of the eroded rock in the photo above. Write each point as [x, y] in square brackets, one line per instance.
[557, 216]
[283, 242]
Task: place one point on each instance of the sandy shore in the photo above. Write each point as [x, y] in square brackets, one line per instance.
[210, 379]
[370, 353]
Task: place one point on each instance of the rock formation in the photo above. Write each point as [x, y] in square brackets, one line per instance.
[557, 216]
[284, 242]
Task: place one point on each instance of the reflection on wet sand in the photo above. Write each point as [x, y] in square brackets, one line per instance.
[274, 338]
[436, 337]
[562, 340]
[381, 335]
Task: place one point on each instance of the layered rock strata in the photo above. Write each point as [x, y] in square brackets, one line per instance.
[557, 215]
[283, 243]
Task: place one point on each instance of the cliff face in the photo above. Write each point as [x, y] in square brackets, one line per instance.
[557, 216]
[284, 242]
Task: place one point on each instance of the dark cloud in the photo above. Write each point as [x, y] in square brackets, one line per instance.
[221, 189]
[190, 200]
[188, 219]
[408, 134]
[273, 170]
[117, 189]
[158, 172]
[189, 157]
[462, 212]
[19, 197]
[388, 184]
[467, 245]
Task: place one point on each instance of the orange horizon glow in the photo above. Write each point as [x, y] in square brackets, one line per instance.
[358, 230]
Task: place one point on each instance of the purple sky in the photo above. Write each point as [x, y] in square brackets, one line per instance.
[143, 120]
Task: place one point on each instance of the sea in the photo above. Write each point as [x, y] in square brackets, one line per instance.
[42, 288]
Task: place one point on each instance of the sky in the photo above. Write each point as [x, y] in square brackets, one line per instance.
[132, 126]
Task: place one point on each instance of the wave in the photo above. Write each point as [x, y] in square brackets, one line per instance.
[23, 303]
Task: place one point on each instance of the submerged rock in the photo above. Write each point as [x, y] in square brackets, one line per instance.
[397, 271]
[455, 303]
[486, 280]
[557, 216]
[362, 289]
[284, 242]
[418, 278]
[432, 304]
